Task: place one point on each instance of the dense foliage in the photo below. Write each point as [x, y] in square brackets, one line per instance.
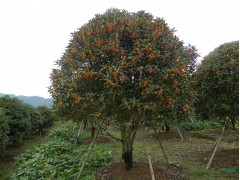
[216, 84]
[200, 125]
[61, 158]
[66, 133]
[4, 130]
[20, 120]
[127, 68]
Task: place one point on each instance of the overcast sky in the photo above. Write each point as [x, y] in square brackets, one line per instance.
[34, 33]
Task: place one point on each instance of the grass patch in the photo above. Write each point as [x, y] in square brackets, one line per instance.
[195, 171]
[212, 134]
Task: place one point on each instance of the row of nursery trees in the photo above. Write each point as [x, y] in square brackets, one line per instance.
[19, 120]
[129, 70]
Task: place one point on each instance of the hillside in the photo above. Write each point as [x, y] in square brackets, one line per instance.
[33, 100]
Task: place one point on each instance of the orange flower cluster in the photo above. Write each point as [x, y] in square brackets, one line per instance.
[143, 84]
[113, 48]
[110, 26]
[151, 57]
[115, 72]
[184, 75]
[111, 83]
[134, 36]
[148, 49]
[77, 100]
[54, 94]
[169, 102]
[99, 42]
[134, 62]
[139, 53]
[156, 36]
[83, 57]
[186, 108]
[70, 61]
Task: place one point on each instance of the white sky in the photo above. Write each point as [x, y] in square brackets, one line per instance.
[34, 33]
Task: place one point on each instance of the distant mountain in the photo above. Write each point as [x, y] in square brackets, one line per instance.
[33, 100]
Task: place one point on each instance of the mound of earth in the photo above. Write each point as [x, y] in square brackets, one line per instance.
[224, 158]
[140, 171]
[161, 135]
[98, 140]
[169, 135]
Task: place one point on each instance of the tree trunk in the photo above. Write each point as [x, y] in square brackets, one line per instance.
[128, 160]
[127, 138]
[93, 131]
[233, 121]
[167, 128]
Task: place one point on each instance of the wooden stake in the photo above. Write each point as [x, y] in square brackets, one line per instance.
[215, 149]
[161, 146]
[86, 158]
[80, 128]
[149, 159]
[179, 132]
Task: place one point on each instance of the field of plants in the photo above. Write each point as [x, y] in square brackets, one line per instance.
[131, 103]
[64, 149]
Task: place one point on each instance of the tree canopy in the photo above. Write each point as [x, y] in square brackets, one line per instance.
[127, 68]
[216, 83]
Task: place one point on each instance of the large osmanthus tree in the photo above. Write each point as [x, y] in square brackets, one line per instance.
[126, 68]
[216, 84]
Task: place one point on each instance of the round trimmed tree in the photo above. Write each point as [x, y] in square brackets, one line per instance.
[127, 69]
[216, 84]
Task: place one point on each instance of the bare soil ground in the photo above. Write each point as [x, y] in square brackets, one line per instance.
[195, 150]
[140, 171]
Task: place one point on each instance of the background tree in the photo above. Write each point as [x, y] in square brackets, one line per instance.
[130, 65]
[4, 130]
[18, 119]
[46, 115]
[216, 84]
[36, 119]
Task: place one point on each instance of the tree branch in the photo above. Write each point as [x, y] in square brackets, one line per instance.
[112, 136]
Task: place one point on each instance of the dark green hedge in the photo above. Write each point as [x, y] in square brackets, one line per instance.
[19, 120]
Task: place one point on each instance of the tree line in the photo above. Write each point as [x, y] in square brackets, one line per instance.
[19, 120]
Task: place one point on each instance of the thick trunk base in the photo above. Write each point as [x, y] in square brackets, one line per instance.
[128, 160]
[167, 128]
[93, 131]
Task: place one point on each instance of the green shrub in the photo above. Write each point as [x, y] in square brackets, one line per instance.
[36, 119]
[4, 130]
[18, 119]
[62, 159]
[47, 115]
[65, 133]
[214, 124]
[195, 126]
